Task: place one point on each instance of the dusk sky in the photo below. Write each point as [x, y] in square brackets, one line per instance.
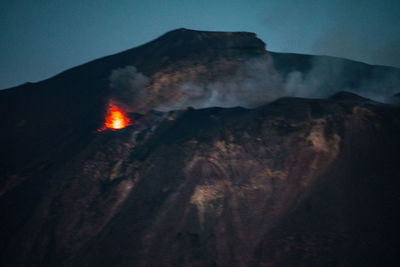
[44, 37]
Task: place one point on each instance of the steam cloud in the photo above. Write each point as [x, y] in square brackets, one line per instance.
[253, 84]
[328, 76]
[128, 86]
[256, 82]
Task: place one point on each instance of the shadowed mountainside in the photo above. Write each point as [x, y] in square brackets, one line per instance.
[293, 182]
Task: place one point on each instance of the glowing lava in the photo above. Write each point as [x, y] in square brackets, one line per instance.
[115, 118]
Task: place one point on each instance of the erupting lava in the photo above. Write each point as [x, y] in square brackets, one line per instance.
[115, 118]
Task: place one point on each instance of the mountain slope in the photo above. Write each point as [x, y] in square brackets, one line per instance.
[296, 181]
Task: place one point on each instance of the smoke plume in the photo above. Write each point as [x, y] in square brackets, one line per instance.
[250, 84]
[254, 83]
[128, 86]
[328, 76]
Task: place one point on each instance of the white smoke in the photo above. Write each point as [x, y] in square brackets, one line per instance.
[255, 82]
[328, 76]
[323, 79]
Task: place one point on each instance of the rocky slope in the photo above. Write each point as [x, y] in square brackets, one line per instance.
[293, 182]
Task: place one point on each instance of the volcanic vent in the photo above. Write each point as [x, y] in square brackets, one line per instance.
[115, 118]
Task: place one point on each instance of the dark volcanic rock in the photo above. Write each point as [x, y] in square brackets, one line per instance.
[347, 96]
[294, 182]
[297, 181]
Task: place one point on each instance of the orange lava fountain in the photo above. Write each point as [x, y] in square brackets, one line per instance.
[115, 118]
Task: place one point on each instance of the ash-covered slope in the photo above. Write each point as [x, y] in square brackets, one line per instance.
[292, 182]
[295, 182]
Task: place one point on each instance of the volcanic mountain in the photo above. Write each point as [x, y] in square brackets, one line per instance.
[233, 156]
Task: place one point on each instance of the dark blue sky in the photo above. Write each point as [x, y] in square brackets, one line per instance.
[44, 37]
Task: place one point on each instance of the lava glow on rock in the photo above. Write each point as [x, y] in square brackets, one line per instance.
[115, 118]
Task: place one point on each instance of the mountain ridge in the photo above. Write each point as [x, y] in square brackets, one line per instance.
[179, 31]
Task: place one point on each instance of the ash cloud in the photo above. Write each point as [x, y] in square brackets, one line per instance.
[258, 83]
[252, 83]
[323, 79]
[128, 86]
[328, 76]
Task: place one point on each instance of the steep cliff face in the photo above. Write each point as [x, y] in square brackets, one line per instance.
[293, 182]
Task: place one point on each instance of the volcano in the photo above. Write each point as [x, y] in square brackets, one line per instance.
[221, 158]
